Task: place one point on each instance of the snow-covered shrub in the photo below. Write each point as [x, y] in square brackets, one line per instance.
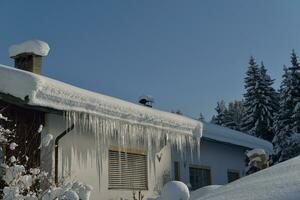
[257, 160]
[24, 183]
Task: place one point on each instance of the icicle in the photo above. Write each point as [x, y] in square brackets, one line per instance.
[105, 132]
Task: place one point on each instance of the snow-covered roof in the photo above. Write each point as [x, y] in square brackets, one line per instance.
[37, 47]
[46, 92]
[223, 134]
[280, 182]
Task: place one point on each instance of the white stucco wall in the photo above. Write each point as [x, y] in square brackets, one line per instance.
[219, 157]
[85, 168]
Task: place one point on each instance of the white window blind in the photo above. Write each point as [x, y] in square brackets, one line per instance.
[127, 171]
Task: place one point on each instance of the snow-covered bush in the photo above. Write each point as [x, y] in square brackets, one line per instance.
[257, 160]
[24, 183]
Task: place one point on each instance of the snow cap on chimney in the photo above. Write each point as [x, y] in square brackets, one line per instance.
[36, 47]
[28, 55]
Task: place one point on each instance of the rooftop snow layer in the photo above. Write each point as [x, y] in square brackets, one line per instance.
[47, 92]
[280, 182]
[227, 135]
[37, 47]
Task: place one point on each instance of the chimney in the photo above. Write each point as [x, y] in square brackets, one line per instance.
[28, 55]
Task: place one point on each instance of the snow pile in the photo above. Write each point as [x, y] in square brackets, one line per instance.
[31, 46]
[223, 134]
[175, 190]
[203, 191]
[280, 182]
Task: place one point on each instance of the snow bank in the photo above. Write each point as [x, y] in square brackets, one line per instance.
[31, 46]
[280, 182]
[203, 191]
[223, 134]
[46, 92]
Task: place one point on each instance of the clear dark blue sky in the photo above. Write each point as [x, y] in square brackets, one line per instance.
[187, 54]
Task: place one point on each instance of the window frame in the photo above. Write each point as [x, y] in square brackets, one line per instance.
[233, 171]
[140, 152]
[201, 167]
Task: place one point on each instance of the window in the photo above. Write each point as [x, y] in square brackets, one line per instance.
[127, 170]
[232, 175]
[199, 177]
[176, 171]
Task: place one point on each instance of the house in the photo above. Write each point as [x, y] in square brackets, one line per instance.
[118, 147]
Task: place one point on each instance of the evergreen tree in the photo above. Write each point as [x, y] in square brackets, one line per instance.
[286, 141]
[260, 102]
[220, 117]
[234, 115]
[201, 117]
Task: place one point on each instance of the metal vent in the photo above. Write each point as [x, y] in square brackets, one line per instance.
[127, 171]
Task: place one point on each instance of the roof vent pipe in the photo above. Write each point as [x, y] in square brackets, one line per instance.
[146, 100]
[28, 55]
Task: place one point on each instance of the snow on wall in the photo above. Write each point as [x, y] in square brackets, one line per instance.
[31, 46]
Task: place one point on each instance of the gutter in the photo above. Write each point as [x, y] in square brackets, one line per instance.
[60, 136]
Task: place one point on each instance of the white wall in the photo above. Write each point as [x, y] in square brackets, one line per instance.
[218, 156]
[84, 167]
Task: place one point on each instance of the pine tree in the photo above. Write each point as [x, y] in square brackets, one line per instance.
[234, 115]
[252, 84]
[201, 117]
[220, 117]
[286, 141]
[260, 102]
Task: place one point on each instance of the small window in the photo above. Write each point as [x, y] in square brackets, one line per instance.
[127, 170]
[232, 175]
[176, 171]
[199, 177]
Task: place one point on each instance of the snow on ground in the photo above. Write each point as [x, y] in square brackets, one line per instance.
[31, 46]
[203, 191]
[280, 182]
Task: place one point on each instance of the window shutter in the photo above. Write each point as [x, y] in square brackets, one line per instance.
[127, 171]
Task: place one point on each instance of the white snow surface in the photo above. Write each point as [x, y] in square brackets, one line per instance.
[175, 190]
[37, 47]
[280, 182]
[46, 92]
[223, 134]
[256, 151]
[201, 192]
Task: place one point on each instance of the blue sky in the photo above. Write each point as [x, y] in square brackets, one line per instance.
[187, 54]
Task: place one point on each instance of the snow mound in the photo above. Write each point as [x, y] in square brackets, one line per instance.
[175, 190]
[280, 182]
[203, 191]
[37, 47]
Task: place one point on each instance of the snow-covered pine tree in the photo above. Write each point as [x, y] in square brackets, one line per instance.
[252, 82]
[234, 114]
[219, 119]
[286, 141]
[260, 102]
[201, 117]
